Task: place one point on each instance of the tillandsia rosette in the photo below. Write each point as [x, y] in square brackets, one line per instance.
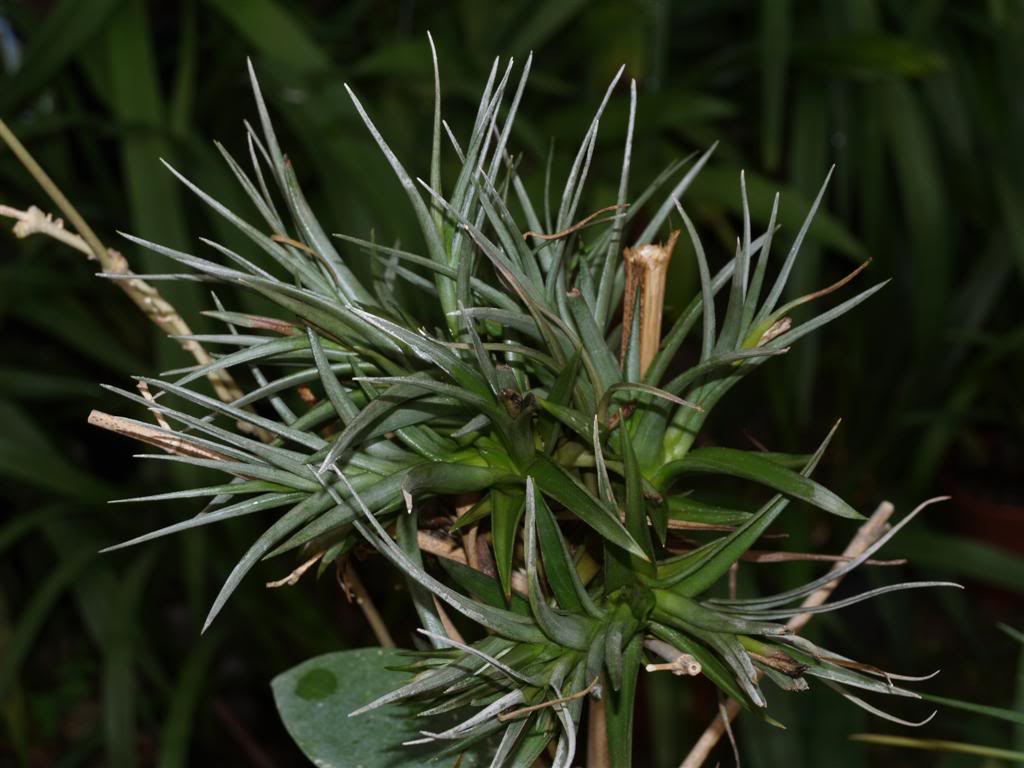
[546, 421]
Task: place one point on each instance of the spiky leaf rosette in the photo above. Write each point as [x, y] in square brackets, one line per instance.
[537, 400]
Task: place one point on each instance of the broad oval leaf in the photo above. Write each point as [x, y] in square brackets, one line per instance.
[315, 698]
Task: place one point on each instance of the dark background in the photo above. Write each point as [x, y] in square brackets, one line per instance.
[919, 104]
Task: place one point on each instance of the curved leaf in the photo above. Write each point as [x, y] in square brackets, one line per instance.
[752, 466]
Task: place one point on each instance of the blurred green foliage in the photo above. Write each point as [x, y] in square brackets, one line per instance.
[919, 105]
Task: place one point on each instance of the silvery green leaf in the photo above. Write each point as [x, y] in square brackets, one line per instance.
[312, 505]
[248, 506]
[561, 627]
[505, 623]
[840, 570]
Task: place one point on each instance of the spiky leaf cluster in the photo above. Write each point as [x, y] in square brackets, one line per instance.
[530, 406]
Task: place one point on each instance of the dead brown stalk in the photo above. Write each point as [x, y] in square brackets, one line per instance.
[449, 628]
[575, 227]
[504, 716]
[866, 535]
[155, 436]
[354, 589]
[293, 578]
[646, 271]
[440, 546]
[145, 296]
[597, 741]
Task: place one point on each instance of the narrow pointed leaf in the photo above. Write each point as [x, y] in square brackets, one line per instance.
[752, 466]
[506, 513]
[559, 485]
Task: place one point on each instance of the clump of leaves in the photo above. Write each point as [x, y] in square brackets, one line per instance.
[537, 400]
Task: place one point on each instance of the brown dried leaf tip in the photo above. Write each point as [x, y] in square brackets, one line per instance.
[646, 270]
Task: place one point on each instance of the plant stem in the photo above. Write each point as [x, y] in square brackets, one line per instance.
[866, 535]
[355, 585]
[646, 270]
[597, 741]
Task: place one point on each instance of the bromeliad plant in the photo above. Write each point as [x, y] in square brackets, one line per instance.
[554, 435]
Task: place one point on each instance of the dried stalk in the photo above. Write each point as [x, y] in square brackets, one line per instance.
[441, 547]
[761, 556]
[506, 716]
[485, 558]
[678, 663]
[866, 535]
[469, 536]
[48, 185]
[155, 436]
[448, 549]
[353, 586]
[143, 388]
[575, 227]
[145, 296]
[646, 271]
[686, 525]
[293, 578]
[597, 741]
[449, 628]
